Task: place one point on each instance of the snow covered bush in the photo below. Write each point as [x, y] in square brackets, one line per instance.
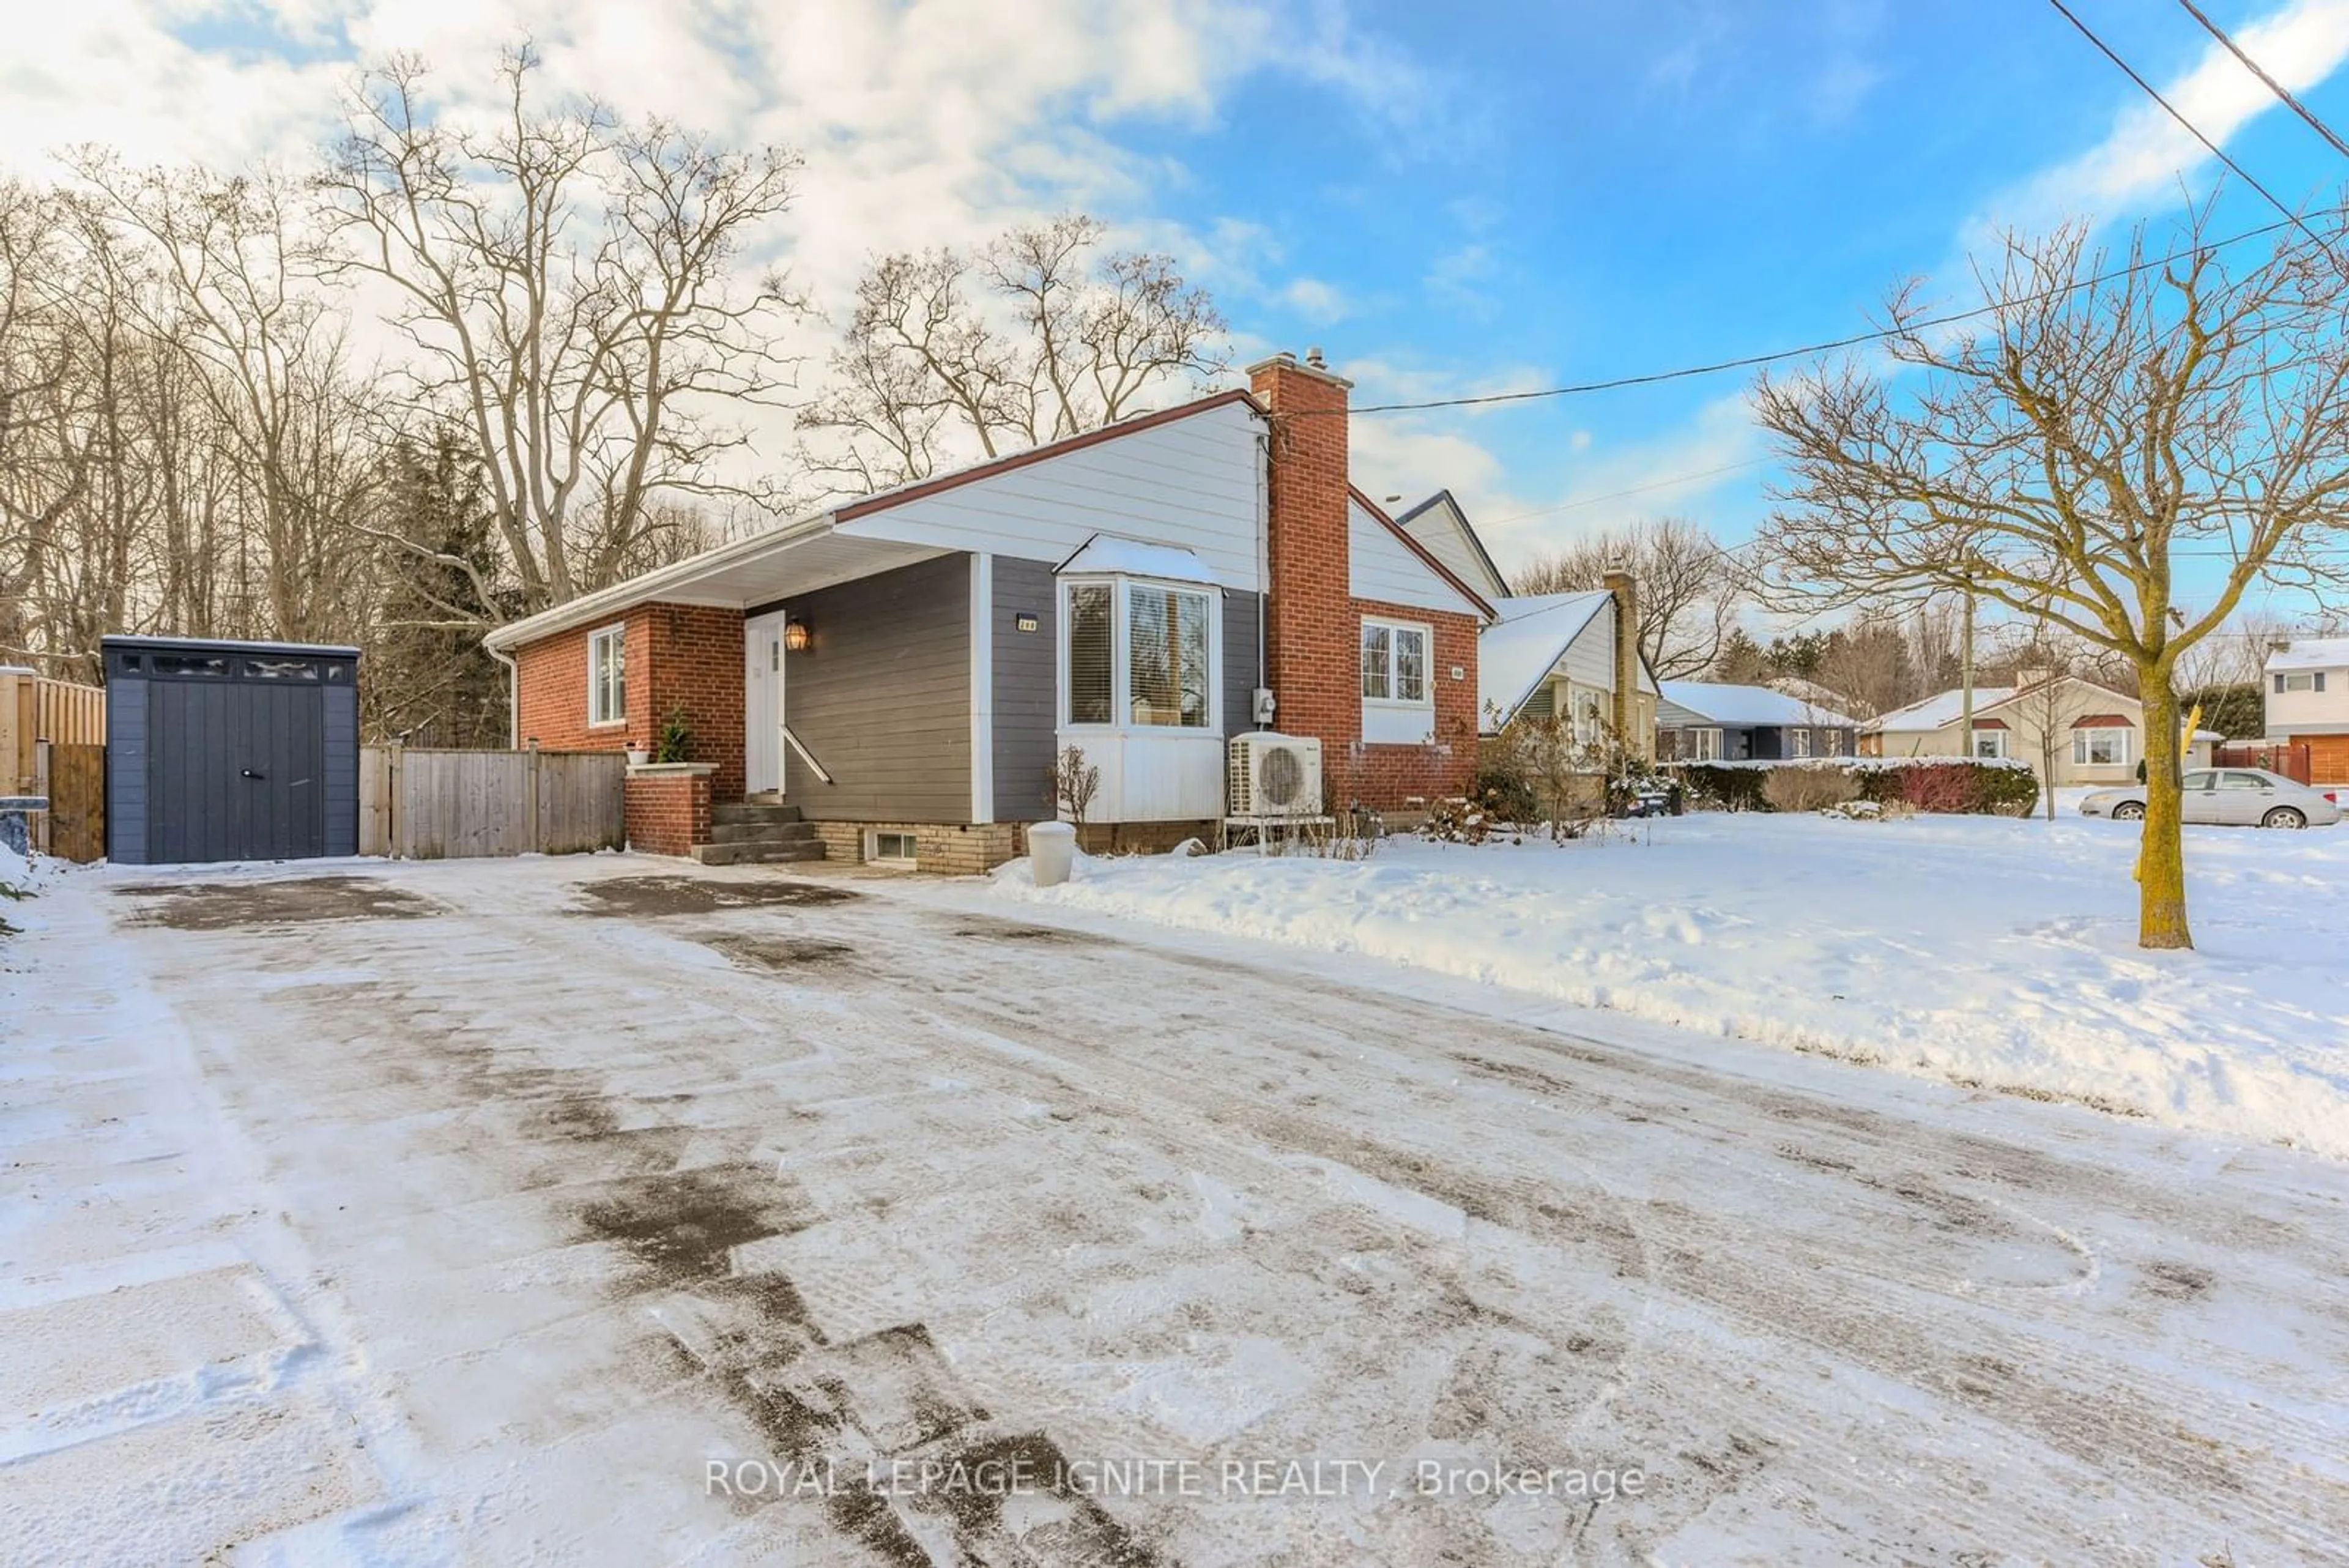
[1954, 785]
[1725, 788]
[1807, 789]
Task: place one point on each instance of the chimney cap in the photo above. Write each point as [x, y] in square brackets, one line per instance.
[1313, 358]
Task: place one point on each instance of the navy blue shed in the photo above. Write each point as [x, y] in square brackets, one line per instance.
[230, 750]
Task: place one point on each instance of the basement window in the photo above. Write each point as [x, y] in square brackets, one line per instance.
[890, 849]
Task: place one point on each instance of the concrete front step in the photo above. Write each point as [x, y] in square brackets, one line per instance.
[763, 832]
[758, 853]
[739, 811]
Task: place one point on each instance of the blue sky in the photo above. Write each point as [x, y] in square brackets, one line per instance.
[1447, 199]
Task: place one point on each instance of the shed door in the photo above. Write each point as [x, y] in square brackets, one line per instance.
[236, 771]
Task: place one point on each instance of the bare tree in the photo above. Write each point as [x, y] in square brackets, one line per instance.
[2105, 419]
[566, 284]
[1041, 335]
[1691, 588]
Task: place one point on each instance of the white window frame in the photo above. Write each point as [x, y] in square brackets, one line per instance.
[1799, 741]
[1997, 752]
[1835, 743]
[2083, 747]
[1121, 662]
[1389, 625]
[1708, 745]
[617, 635]
[910, 843]
[2298, 680]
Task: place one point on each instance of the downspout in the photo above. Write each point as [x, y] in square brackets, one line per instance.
[1264, 566]
[514, 696]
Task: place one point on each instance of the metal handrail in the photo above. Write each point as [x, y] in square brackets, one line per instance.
[807, 756]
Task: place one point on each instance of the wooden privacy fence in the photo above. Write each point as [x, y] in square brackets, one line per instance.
[422, 804]
[52, 744]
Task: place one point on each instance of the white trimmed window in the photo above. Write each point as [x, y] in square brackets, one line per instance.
[1835, 743]
[2300, 681]
[1990, 745]
[1703, 745]
[607, 675]
[1398, 696]
[1394, 662]
[889, 846]
[1139, 653]
[1802, 739]
[2100, 748]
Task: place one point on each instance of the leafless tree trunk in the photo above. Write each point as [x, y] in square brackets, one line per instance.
[2103, 421]
[1691, 588]
[565, 285]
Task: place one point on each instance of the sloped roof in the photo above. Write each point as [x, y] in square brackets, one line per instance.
[1442, 510]
[1746, 705]
[1941, 708]
[1528, 636]
[1136, 558]
[2310, 653]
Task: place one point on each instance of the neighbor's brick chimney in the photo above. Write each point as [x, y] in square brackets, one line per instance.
[1626, 588]
[1313, 644]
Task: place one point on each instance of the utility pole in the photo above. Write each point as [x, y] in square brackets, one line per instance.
[1966, 675]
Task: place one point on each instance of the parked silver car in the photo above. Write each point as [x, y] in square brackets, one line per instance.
[2231, 797]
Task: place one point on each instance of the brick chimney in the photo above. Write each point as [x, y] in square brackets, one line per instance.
[1313, 646]
[1620, 582]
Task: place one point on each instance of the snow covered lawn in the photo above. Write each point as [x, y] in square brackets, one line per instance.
[1985, 950]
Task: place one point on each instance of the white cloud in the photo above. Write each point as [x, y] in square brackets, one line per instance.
[2142, 159]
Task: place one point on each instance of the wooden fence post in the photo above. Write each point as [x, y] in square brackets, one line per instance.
[529, 789]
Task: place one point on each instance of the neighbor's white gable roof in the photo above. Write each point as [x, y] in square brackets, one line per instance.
[1440, 525]
[2310, 653]
[1939, 711]
[1746, 705]
[1524, 644]
[1136, 558]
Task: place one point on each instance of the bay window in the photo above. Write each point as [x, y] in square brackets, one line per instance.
[1138, 653]
[2100, 748]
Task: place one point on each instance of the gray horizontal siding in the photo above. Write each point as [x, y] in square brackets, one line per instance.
[1026, 677]
[1242, 672]
[882, 696]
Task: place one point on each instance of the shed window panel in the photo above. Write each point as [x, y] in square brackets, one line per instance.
[607, 675]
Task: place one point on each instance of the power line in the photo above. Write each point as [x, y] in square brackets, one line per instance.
[1577, 506]
[1751, 361]
[2274, 86]
[2171, 109]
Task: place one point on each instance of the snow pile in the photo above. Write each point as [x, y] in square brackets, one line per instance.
[1992, 951]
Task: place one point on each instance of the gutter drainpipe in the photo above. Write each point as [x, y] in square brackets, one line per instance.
[514, 696]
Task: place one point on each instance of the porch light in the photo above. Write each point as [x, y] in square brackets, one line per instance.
[795, 635]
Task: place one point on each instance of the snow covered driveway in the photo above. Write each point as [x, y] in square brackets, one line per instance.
[469, 1211]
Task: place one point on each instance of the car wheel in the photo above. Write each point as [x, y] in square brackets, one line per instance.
[2128, 811]
[2284, 817]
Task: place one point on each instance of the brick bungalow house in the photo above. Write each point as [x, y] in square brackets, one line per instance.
[893, 679]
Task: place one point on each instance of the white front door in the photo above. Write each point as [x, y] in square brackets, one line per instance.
[762, 697]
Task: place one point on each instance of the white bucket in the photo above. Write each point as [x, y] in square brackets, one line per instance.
[1052, 851]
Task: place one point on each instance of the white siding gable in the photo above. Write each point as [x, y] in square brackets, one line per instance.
[1589, 658]
[1194, 483]
[1382, 567]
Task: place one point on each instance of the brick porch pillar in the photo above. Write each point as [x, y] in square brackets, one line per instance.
[666, 806]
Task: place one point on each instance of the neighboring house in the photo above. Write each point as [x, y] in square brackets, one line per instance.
[904, 668]
[2099, 733]
[1569, 655]
[1439, 523]
[2308, 702]
[1700, 722]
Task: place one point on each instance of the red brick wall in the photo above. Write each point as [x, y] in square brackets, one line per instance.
[1312, 636]
[1384, 777]
[1313, 624]
[679, 656]
[667, 814]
